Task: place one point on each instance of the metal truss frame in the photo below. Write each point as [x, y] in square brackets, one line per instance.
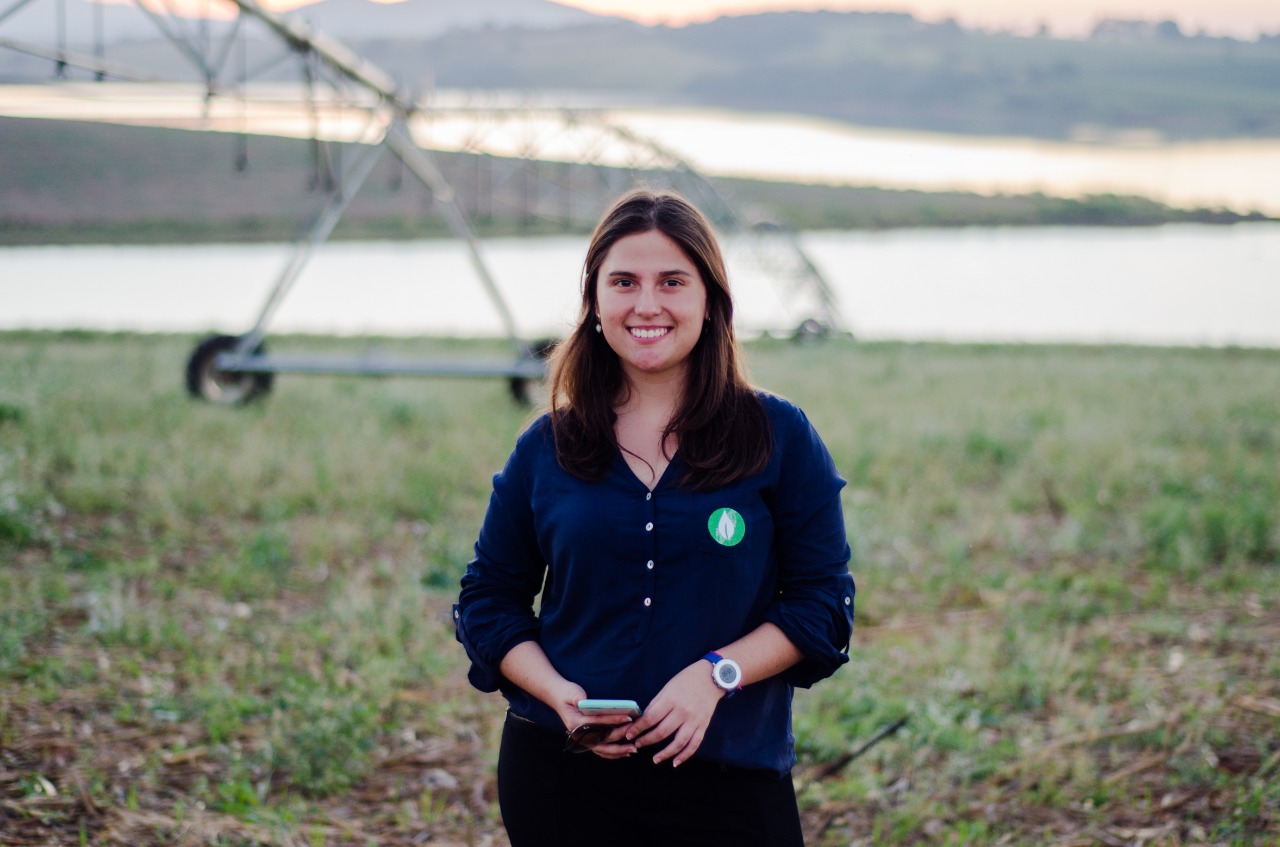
[239, 369]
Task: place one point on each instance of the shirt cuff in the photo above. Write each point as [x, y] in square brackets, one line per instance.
[820, 627]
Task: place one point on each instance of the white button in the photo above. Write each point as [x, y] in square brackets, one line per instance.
[649, 496]
[847, 601]
[456, 613]
[648, 602]
[648, 527]
[649, 564]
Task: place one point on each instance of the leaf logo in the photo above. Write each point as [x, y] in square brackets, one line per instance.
[727, 527]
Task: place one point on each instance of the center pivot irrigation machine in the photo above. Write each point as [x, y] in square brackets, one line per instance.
[562, 163]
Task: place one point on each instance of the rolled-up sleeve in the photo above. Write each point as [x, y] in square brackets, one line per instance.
[814, 606]
[495, 610]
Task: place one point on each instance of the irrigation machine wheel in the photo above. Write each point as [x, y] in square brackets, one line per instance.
[205, 381]
[810, 330]
[527, 391]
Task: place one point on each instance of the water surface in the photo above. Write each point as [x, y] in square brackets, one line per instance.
[1177, 284]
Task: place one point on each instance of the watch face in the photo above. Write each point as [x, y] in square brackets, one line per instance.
[727, 674]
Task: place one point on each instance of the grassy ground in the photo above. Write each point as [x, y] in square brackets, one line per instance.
[230, 626]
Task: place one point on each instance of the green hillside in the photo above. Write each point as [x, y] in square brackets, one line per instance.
[884, 70]
[873, 69]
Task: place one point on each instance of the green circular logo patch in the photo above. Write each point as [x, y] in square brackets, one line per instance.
[726, 526]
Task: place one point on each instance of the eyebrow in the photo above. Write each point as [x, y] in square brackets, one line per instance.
[660, 273]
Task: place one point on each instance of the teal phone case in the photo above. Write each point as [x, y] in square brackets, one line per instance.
[596, 706]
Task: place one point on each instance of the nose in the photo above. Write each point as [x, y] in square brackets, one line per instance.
[647, 302]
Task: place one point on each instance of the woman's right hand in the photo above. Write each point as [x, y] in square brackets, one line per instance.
[613, 745]
[527, 666]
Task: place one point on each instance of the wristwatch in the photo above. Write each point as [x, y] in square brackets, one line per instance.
[725, 673]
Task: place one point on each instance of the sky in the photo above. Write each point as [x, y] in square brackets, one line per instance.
[1239, 18]
[1244, 19]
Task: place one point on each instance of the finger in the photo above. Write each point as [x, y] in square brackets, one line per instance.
[606, 720]
[577, 719]
[654, 715]
[659, 723]
[676, 745]
[681, 748]
[642, 736]
[618, 736]
[689, 749]
[668, 727]
[614, 751]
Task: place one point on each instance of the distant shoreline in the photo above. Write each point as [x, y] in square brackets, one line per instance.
[885, 210]
[66, 182]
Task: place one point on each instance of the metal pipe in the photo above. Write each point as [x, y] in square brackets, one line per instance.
[76, 60]
[303, 247]
[421, 165]
[335, 54]
[350, 65]
[234, 362]
[176, 39]
[15, 7]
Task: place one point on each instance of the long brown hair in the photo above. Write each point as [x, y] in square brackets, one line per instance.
[720, 423]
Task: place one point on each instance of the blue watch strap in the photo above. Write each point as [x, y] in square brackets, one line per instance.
[713, 657]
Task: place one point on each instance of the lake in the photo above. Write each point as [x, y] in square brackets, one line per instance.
[1184, 284]
[1178, 284]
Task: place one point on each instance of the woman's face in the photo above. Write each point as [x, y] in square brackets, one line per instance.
[652, 303]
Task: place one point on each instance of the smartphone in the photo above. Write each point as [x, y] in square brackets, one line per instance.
[609, 707]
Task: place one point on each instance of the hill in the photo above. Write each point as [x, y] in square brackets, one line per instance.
[886, 70]
[874, 69]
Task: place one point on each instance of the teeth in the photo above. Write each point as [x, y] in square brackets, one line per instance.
[649, 333]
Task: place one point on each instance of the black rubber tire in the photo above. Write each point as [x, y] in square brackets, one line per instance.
[206, 382]
[810, 330]
[531, 392]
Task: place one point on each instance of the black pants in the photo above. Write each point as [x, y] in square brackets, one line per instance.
[553, 798]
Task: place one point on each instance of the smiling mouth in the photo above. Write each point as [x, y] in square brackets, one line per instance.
[648, 333]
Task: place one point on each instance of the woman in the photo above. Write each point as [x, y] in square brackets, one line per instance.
[686, 535]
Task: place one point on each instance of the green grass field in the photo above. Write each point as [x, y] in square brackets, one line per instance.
[230, 626]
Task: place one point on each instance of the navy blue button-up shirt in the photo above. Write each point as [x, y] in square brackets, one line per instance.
[637, 584]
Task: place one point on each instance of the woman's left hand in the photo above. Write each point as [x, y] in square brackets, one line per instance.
[682, 712]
